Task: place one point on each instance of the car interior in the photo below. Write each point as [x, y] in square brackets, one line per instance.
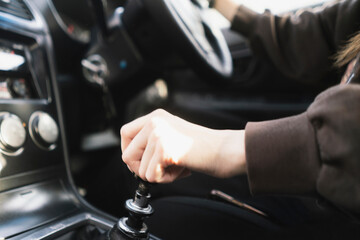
[73, 72]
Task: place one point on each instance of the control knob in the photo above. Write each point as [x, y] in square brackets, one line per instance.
[12, 133]
[43, 130]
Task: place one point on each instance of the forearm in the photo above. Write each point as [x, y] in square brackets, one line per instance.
[299, 45]
[227, 8]
[316, 151]
[282, 156]
[230, 160]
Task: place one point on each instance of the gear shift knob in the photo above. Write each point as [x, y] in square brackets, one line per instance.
[142, 193]
[133, 226]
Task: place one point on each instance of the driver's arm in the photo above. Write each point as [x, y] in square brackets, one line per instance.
[317, 151]
[314, 152]
[301, 44]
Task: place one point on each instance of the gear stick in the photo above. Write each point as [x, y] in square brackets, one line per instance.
[133, 226]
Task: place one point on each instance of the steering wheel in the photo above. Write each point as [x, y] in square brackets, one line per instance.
[187, 27]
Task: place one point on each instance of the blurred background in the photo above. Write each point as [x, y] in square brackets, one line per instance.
[279, 6]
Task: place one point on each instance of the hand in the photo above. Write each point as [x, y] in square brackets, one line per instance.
[227, 8]
[161, 147]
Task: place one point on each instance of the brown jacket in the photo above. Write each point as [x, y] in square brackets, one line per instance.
[319, 150]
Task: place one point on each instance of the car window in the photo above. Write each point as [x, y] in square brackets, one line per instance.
[279, 6]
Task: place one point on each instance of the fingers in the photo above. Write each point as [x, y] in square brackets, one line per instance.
[134, 151]
[137, 147]
[154, 170]
[147, 157]
[149, 150]
[172, 173]
[155, 167]
[158, 169]
[130, 130]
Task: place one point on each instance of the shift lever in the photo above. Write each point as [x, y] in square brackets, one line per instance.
[133, 226]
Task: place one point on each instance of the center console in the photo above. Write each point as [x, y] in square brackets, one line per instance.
[38, 199]
[37, 196]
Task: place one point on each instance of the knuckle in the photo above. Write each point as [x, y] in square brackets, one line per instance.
[150, 177]
[142, 174]
[160, 151]
[126, 158]
[123, 130]
[155, 136]
[152, 124]
[159, 112]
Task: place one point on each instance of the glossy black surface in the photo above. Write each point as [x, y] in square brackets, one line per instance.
[35, 188]
[38, 73]
[27, 207]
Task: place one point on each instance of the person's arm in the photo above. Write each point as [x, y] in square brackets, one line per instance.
[317, 151]
[300, 45]
[161, 147]
[227, 8]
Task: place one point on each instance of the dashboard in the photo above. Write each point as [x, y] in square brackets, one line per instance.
[37, 197]
[27, 96]
[19, 77]
[77, 26]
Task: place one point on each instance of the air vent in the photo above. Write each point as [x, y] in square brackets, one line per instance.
[17, 8]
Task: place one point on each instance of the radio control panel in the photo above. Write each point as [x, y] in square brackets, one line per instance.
[30, 136]
[12, 134]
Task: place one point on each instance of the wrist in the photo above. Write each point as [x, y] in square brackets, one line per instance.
[227, 8]
[231, 158]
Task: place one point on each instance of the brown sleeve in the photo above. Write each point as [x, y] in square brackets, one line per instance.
[316, 151]
[300, 45]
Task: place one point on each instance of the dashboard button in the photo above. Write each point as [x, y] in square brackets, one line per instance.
[48, 129]
[43, 130]
[12, 132]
